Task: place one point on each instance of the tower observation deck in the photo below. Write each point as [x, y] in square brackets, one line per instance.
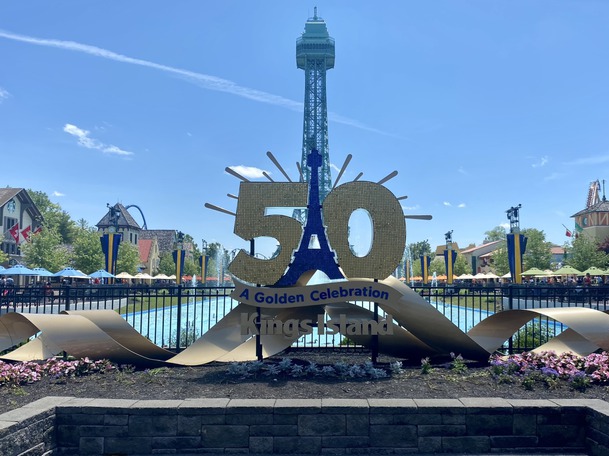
[315, 55]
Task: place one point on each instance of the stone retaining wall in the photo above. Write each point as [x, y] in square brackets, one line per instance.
[59, 425]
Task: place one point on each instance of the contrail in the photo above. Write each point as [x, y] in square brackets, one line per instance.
[204, 80]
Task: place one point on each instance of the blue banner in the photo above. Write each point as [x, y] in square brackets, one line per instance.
[425, 262]
[178, 259]
[450, 256]
[516, 245]
[110, 243]
[203, 261]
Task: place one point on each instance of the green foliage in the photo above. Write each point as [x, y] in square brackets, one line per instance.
[533, 335]
[438, 266]
[500, 261]
[54, 217]
[538, 252]
[87, 251]
[3, 257]
[461, 266]
[128, 258]
[166, 264]
[458, 364]
[585, 252]
[496, 234]
[417, 249]
[45, 250]
[426, 367]
[188, 335]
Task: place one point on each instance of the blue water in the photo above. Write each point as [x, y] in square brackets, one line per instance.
[197, 317]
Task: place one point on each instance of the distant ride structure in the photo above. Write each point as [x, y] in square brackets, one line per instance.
[315, 55]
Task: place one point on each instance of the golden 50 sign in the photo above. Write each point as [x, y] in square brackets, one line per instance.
[277, 306]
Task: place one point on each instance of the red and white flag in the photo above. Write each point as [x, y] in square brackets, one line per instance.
[14, 231]
[26, 233]
[37, 230]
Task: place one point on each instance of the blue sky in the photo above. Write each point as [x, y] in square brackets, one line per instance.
[478, 105]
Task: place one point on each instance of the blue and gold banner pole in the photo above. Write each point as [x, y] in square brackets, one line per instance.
[110, 243]
[450, 256]
[516, 245]
[425, 262]
[178, 259]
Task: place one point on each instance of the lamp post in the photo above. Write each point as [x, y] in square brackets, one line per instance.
[178, 256]
[111, 240]
[450, 256]
[516, 244]
[203, 260]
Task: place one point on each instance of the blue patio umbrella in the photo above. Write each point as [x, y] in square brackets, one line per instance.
[18, 269]
[101, 274]
[42, 272]
[71, 273]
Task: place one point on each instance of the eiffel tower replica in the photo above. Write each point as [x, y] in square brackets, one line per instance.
[314, 252]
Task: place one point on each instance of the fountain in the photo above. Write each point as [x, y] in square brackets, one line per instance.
[434, 279]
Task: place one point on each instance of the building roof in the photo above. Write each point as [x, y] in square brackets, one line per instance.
[164, 238]
[144, 246]
[125, 220]
[602, 206]
[557, 250]
[440, 249]
[483, 246]
[7, 193]
[27, 204]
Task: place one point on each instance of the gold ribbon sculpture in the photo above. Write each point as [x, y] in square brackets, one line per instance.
[411, 327]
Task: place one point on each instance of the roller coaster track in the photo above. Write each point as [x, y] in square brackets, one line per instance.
[144, 226]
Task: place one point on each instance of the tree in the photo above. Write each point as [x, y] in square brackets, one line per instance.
[54, 218]
[501, 264]
[419, 248]
[538, 253]
[496, 234]
[45, 250]
[584, 253]
[128, 258]
[438, 266]
[87, 250]
[461, 266]
[3, 257]
[166, 264]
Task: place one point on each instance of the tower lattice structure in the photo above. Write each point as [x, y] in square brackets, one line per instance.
[315, 55]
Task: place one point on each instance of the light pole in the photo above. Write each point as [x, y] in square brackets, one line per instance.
[203, 260]
[111, 240]
[516, 244]
[449, 257]
[178, 256]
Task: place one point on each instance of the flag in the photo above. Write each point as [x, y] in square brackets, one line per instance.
[14, 231]
[568, 233]
[26, 233]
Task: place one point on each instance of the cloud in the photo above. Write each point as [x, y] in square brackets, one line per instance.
[542, 162]
[446, 203]
[85, 140]
[410, 208]
[461, 205]
[505, 225]
[3, 94]
[594, 160]
[56, 193]
[202, 80]
[334, 167]
[462, 171]
[249, 171]
[554, 176]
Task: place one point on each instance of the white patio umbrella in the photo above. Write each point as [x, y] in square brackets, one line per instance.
[124, 275]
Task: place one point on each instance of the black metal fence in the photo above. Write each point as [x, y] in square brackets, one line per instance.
[175, 316]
